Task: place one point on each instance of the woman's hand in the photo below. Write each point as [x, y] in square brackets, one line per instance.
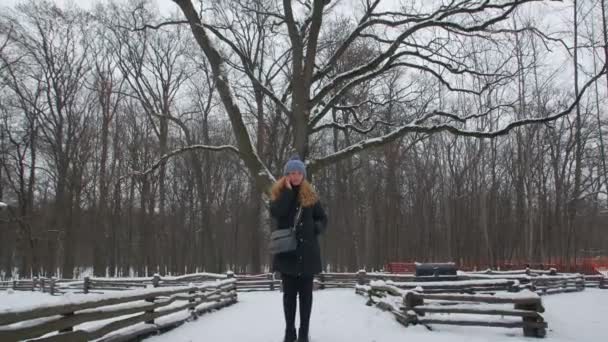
[287, 182]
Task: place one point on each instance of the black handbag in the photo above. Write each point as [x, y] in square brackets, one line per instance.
[284, 240]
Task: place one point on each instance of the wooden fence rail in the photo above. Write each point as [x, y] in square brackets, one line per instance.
[413, 307]
[542, 282]
[130, 308]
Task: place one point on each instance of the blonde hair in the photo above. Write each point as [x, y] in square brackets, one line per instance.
[307, 195]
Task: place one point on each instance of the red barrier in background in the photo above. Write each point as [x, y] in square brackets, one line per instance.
[401, 267]
[582, 265]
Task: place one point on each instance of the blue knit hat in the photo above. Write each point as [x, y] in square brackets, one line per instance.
[294, 164]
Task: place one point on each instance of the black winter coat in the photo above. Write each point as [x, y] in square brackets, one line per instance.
[306, 259]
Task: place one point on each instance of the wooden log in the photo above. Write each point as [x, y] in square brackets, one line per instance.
[96, 283]
[53, 280]
[18, 316]
[480, 298]
[529, 325]
[192, 295]
[245, 287]
[361, 277]
[265, 282]
[120, 324]
[86, 286]
[476, 311]
[338, 285]
[32, 331]
[260, 289]
[412, 300]
[401, 318]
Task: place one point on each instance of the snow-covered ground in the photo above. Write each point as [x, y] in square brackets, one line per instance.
[341, 315]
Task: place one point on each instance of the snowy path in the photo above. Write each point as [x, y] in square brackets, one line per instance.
[341, 315]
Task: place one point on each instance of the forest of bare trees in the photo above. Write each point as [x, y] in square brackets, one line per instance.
[134, 141]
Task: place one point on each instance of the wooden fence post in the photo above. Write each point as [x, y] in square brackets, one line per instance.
[14, 285]
[192, 300]
[361, 275]
[34, 283]
[42, 281]
[151, 311]
[156, 280]
[68, 328]
[411, 300]
[53, 279]
[86, 286]
[528, 331]
[322, 281]
[271, 278]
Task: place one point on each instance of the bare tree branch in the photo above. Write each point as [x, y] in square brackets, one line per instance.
[174, 153]
[247, 65]
[415, 127]
[248, 153]
[345, 127]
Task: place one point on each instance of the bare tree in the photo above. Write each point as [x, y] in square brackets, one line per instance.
[312, 94]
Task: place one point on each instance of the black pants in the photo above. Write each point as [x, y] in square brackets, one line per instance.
[294, 286]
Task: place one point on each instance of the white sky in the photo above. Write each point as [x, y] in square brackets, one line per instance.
[165, 6]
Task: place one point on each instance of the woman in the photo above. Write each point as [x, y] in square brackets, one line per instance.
[297, 268]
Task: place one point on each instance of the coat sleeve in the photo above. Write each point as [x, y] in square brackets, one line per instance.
[280, 206]
[320, 218]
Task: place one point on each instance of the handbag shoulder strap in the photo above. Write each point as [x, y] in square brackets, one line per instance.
[297, 219]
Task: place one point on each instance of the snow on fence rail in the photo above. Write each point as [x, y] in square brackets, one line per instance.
[543, 282]
[461, 286]
[413, 307]
[599, 281]
[133, 313]
[258, 282]
[49, 285]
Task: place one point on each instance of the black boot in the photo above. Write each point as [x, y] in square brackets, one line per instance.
[290, 335]
[303, 335]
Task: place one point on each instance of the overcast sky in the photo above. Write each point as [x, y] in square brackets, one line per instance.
[166, 6]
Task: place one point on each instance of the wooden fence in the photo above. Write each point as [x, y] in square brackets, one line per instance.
[147, 305]
[599, 281]
[541, 281]
[413, 307]
[142, 312]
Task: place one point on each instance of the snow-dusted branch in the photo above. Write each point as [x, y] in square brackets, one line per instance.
[217, 62]
[247, 65]
[344, 127]
[154, 27]
[179, 151]
[462, 119]
[416, 127]
[437, 19]
[330, 64]
[389, 65]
